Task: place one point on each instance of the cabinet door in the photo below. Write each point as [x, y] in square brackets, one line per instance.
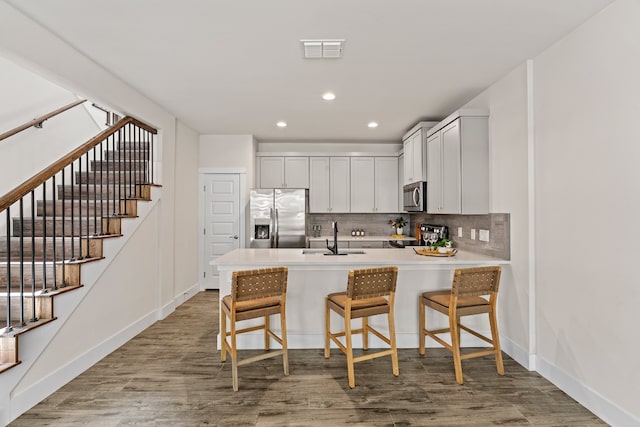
[363, 179]
[296, 172]
[408, 160]
[418, 165]
[363, 244]
[451, 169]
[434, 174]
[319, 189]
[339, 184]
[271, 172]
[386, 184]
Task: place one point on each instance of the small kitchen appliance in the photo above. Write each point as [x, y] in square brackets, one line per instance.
[414, 197]
[430, 234]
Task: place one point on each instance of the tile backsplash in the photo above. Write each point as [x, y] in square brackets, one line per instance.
[497, 224]
[372, 224]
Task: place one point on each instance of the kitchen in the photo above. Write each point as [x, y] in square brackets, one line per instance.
[562, 158]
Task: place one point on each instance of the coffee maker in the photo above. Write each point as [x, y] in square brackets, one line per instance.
[430, 234]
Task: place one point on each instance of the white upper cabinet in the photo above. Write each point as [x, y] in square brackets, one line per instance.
[415, 153]
[284, 172]
[363, 184]
[374, 184]
[329, 189]
[458, 164]
[386, 184]
[413, 158]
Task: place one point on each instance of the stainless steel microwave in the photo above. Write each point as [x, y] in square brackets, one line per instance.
[414, 197]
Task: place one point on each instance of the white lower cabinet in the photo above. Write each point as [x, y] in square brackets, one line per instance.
[371, 244]
[329, 189]
[458, 166]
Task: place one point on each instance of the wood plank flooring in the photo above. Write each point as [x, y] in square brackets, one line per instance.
[171, 375]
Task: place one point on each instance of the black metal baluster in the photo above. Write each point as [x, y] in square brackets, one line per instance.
[113, 168]
[8, 327]
[22, 322]
[34, 318]
[111, 137]
[64, 235]
[151, 156]
[44, 237]
[131, 154]
[79, 181]
[95, 194]
[87, 253]
[73, 215]
[101, 188]
[55, 236]
[121, 136]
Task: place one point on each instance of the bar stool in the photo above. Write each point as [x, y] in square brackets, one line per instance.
[464, 299]
[254, 294]
[369, 292]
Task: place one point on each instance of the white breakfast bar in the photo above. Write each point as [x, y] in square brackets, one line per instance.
[313, 275]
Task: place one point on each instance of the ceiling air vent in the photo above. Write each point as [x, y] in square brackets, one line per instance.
[329, 48]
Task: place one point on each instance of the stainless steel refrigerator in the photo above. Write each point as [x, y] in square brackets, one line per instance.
[278, 218]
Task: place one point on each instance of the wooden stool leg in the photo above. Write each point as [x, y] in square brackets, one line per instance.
[234, 356]
[496, 341]
[422, 326]
[455, 344]
[283, 337]
[365, 333]
[267, 327]
[350, 368]
[392, 338]
[223, 336]
[327, 328]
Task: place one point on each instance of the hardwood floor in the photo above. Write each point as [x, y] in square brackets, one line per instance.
[171, 375]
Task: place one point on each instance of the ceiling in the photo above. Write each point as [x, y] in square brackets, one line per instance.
[236, 67]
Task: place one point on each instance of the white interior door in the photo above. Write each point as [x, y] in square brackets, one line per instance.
[222, 221]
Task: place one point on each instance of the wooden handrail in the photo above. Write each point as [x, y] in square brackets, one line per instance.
[32, 183]
[40, 119]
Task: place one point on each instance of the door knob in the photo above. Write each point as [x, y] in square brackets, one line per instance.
[234, 237]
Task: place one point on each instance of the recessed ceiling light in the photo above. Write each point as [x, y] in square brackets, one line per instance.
[328, 96]
[281, 124]
[373, 124]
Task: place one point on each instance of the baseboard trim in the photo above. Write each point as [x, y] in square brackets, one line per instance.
[517, 353]
[178, 300]
[33, 395]
[590, 399]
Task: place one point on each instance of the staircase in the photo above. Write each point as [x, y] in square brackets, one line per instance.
[55, 222]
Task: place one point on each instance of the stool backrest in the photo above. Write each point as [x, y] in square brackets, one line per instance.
[261, 283]
[372, 282]
[476, 281]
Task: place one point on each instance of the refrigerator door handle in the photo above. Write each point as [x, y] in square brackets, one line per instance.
[272, 227]
[277, 230]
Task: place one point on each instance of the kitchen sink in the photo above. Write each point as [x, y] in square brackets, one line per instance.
[328, 252]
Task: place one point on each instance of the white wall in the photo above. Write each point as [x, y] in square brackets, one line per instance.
[46, 55]
[230, 151]
[507, 102]
[26, 96]
[587, 105]
[186, 212]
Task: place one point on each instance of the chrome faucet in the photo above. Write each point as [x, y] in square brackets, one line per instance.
[334, 248]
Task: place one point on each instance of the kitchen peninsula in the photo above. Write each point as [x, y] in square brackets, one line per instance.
[313, 275]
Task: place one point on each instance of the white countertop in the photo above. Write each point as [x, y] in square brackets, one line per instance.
[372, 238]
[388, 256]
[311, 277]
